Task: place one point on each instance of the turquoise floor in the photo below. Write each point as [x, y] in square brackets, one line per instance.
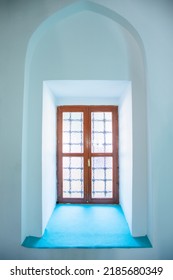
[87, 226]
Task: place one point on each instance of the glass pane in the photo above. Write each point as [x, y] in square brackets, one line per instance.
[72, 134]
[73, 183]
[101, 132]
[102, 177]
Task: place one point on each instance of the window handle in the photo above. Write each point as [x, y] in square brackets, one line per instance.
[89, 164]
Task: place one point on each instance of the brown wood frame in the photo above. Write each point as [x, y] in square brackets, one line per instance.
[87, 153]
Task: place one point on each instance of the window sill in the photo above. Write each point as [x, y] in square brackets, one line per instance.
[87, 226]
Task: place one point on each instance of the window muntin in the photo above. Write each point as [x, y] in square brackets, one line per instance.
[72, 132]
[101, 132]
[73, 177]
[102, 177]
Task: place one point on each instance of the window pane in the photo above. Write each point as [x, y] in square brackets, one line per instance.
[73, 183]
[101, 132]
[72, 132]
[102, 177]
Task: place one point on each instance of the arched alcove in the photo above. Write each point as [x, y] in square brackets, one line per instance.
[84, 41]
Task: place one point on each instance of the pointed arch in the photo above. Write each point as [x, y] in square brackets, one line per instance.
[32, 217]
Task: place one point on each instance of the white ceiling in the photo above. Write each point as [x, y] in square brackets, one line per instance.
[87, 88]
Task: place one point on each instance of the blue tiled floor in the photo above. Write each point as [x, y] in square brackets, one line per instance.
[87, 226]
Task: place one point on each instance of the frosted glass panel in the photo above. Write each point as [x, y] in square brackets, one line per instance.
[102, 177]
[72, 134]
[73, 183]
[101, 132]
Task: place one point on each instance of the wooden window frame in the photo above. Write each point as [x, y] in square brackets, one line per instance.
[87, 154]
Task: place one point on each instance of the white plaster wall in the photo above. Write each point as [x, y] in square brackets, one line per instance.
[126, 156]
[153, 20]
[137, 74]
[49, 190]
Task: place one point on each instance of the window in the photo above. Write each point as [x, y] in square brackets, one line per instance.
[87, 157]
